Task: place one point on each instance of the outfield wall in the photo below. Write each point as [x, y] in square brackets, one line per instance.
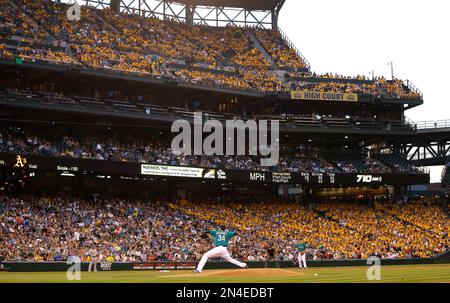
[126, 266]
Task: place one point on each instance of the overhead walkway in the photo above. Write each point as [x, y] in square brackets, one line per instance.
[433, 126]
[431, 145]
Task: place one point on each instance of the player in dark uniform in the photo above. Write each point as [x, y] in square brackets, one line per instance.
[272, 253]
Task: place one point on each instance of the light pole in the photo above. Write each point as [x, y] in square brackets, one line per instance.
[392, 69]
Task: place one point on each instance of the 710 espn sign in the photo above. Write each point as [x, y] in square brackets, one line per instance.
[258, 177]
[368, 179]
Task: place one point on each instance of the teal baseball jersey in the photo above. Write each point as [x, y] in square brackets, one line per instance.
[221, 238]
[301, 247]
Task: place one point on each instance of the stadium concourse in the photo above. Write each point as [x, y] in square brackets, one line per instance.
[105, 144]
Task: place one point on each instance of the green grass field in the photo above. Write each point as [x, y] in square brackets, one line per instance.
[439, 273]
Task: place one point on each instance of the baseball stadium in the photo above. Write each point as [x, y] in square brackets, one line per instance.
[93, 95]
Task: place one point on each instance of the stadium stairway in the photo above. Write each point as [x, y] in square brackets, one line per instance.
[261, 49]
[445, 178]
[405, 222]
[394, 162]
[323, 214]
[326, 162]
[102, 20]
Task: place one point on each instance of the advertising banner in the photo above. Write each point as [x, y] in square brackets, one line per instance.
[323, 96]
[75, 166]
[172, 171]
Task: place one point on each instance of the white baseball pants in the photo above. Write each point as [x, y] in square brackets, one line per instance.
[92, 264]
[217, 252]
[302, 259]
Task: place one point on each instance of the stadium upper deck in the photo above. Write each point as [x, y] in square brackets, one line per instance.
[248, 4]
[248, 59]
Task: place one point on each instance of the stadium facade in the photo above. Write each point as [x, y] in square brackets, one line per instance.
[361, 120]
[87, 106]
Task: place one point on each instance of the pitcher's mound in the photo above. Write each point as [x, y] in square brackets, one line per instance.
[251, 272]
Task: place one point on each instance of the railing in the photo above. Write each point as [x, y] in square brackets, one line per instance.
[424, 170]
[291, 45]
[412, 87]
[410, 123]
[433, 124]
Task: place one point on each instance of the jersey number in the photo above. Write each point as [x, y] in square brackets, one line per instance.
[221, 237]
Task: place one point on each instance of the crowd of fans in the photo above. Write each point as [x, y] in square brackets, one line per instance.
[16, 23]
[334, 76]
[340, 87]
[426, 215]
[148, 47]
[211, 79]
[114, 147]
[366, 165]
[397, 89]
[32, 54]
[401, 236]
[55, 228]
[52, 228]
[284, 56]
